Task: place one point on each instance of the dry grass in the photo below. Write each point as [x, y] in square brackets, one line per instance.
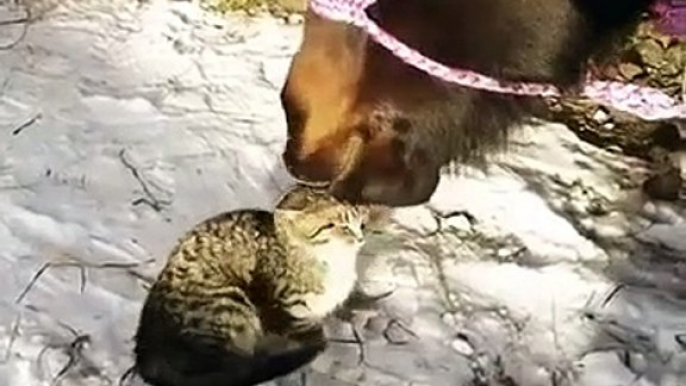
[253, 6]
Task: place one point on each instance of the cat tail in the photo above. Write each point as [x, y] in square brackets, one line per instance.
[234, 369]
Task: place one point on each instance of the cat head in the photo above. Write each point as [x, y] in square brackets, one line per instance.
[311, 216]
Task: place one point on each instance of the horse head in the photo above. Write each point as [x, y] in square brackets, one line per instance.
[375, 129]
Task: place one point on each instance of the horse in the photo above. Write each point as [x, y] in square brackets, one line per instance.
[382, 94]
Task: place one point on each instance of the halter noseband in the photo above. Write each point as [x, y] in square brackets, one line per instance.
[644, 102]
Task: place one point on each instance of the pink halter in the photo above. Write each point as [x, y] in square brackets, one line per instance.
[644, 102]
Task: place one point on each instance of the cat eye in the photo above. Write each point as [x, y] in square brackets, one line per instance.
[323, 228]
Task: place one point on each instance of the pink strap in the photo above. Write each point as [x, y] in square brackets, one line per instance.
[644, 102]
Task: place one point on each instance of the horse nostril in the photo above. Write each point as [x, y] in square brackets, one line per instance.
[398, 146]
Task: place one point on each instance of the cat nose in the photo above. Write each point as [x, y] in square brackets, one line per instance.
[356, 232]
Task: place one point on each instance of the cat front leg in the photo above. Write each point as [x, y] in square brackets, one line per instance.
[314, 306]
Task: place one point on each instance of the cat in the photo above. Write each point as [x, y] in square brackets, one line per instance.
[243, 295]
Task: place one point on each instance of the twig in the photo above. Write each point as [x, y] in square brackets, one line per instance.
[357, 340]
[440, 217]
[612, 294]
[74, 351]
[45, 348]
[13, 337]
[42, 270]
[395, 322]
[362, 357]
[343, 341]
[25, 21]
[553, 315]
[26, 124]
[360, 300]
[149, 199]
[128, 374]
[18, 20]
[145, 279]
[82, 269]
[681, 340]
[71, 329]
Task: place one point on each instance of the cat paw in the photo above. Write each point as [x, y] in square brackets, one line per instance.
[300, 311]
[313, 306]
[365, 299]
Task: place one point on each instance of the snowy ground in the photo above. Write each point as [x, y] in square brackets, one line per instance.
[123, 124]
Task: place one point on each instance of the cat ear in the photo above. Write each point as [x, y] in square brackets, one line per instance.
[300, 197]
[287, 216]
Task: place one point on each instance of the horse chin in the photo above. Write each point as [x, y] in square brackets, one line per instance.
[413, 189]
[405, 188]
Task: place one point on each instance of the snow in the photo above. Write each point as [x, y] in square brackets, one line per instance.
[122, 124]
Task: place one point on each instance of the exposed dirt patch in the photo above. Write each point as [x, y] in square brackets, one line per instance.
[648, 58]
[651, 59]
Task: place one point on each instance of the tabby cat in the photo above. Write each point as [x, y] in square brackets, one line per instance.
[243, 295]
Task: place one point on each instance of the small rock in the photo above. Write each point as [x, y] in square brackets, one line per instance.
[652, 53]
[597, 207]
[449, 319]
[376, 325]
[665, 40]
[609, 231]
[636, 362]
[630, 71]
[601, 116]
[508, 253]
[460, 223]
[396, 334]
[294, 19]
[462, 346]
[614, 149]
[664, 186]
[453, 297]
[681, 340]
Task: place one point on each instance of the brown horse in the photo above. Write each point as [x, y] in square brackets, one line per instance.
[378, 130]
